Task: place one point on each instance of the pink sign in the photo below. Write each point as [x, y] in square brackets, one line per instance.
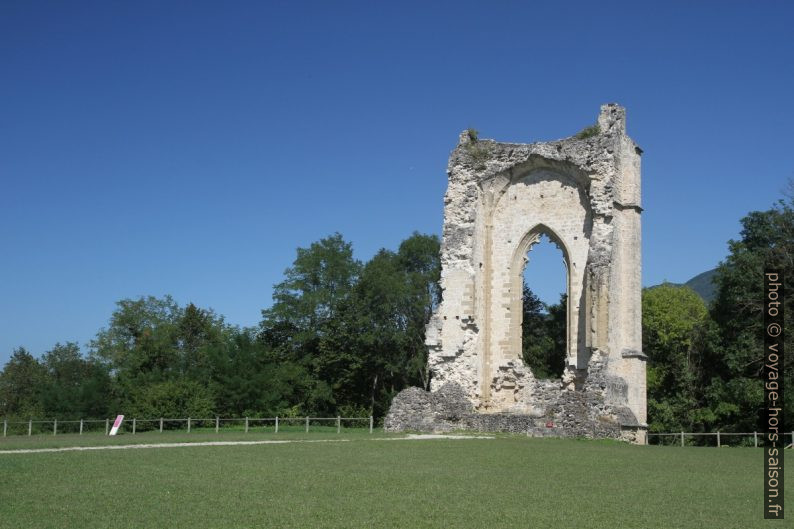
[116, 424]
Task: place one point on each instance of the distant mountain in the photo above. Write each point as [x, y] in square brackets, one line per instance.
[702, 284]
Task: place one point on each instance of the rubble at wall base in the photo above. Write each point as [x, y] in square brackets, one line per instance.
[572, 415]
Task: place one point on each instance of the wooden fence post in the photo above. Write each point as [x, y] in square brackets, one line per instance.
[276, 424]
[217, 423]
[246, 425]
[370, 424]
[338, 424]
[307, 424]
[30, 427]
[718, 438]
[188, 425]
[107, 426]
[133, 426]
[161, 425]
[682, 438]
[55, 427]
[81, 426]
[5, 427]
[755, 438]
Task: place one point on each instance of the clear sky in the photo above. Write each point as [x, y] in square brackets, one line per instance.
[188, 148]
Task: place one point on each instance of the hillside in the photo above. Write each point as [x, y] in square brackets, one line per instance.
[702, 284]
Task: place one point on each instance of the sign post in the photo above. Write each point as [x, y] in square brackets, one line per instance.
[116, 424]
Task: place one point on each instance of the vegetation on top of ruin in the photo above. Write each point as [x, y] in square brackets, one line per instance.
[479, 152]
[588, 132]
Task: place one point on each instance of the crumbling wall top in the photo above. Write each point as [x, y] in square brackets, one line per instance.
[591, 151]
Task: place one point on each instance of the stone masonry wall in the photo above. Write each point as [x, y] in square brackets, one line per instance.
[584, 193]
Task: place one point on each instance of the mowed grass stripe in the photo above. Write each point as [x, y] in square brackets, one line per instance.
[176, 436]
[193, 444]
[504, 482]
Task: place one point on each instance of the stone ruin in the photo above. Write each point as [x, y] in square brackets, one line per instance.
[583, 192]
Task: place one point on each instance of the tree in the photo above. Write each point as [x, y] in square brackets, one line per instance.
[382, 302]
[306, 305]
[151, 341]
[20, 385]
[197, 331]
[74, 386]
[357, 330]
[733, 345]
[319, 280]
[142, 339]
[420, 258]
[379, 341]
[171, 398]
[535, 340]
[544, 335]
[671, 316]
[248, 379]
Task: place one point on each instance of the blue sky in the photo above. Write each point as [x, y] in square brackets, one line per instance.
[187, 148]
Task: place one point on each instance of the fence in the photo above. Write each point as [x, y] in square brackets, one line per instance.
[134, 425]
[749, 437]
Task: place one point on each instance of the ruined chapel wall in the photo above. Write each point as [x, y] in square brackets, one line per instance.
[584, 191]
[540, 202]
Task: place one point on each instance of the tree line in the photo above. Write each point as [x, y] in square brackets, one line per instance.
[343, 337]
[340, 337]
[705, 363]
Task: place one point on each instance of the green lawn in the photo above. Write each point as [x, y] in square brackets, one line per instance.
[371, 482]
[198, 435]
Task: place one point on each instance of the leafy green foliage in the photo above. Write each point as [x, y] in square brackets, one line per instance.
[73, 383]
[357, 330]
[544, 330]
[313, 291]
[588, 132]
[365, 341]
[671, 315]
[309, 310]
[172, 399]
[478, 151]
[704, 367]
[63, 383]
[154, 348]
[733, 345]
[21, 382]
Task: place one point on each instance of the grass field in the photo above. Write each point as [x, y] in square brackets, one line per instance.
[361, 480]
